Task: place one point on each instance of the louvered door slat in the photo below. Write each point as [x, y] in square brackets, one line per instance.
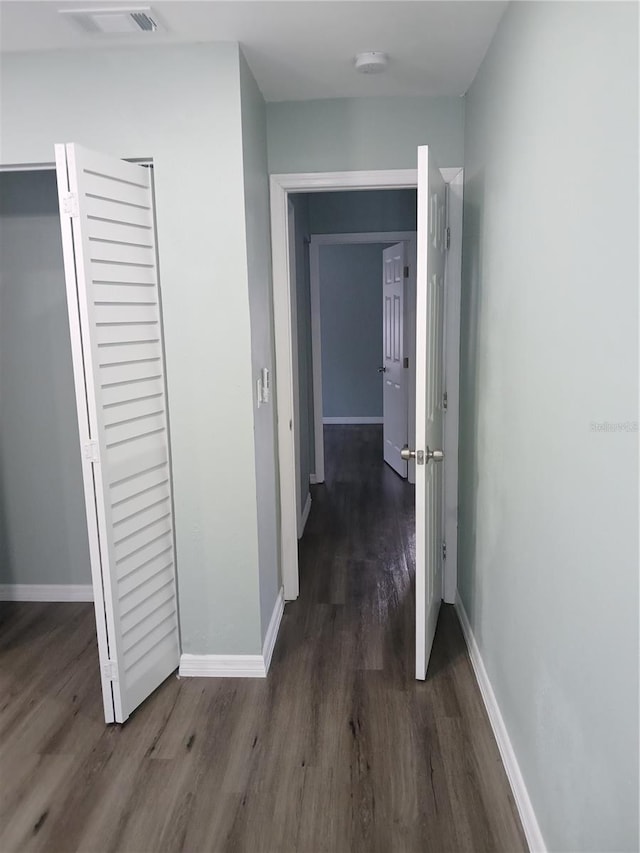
[145, 673]
[107, 231]
[125, 291]
[134, 429]
[122, 371]
[133, 370]
[118, 353]
[107, 210]
[125, 410]
[128, 488]
[117, 333]
[138, 558]
[126, 273]
[121, 253]
[147, 457]
[152, 513]
[136, 591]
[138, 583]
[113, 188]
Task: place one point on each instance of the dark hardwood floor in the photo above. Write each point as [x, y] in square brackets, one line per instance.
[339, 750]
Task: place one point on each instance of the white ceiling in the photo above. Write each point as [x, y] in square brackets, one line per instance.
[297, 49]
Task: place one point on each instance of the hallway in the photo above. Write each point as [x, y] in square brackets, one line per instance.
[339, 750]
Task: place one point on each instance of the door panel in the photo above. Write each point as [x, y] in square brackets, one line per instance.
[394, 393]
[429, 402]
[109, 244]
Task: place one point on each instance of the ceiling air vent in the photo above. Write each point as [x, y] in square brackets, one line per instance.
[114, 22]
[144, 21]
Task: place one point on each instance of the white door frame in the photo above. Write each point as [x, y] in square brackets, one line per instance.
[291, 226]
[318, 240]
[286, 394]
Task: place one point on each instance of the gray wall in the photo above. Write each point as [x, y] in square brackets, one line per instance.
[351, 329]
[305, 364]
[548, 544]
[363, 133]
[256, 193]
[370, 210]
[181, 106]
[43, 534]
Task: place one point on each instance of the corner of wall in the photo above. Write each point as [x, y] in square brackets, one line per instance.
[259, 286]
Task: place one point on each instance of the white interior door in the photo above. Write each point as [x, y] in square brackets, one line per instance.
[430, 278]
[109, 245]
[394, 373]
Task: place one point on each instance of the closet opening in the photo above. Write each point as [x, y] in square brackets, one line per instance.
[86, 507]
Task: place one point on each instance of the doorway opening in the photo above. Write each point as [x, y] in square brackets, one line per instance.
[362, 348]
[40, 477]
[284, 189]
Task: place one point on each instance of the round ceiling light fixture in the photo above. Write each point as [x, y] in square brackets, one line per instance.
[371, 62]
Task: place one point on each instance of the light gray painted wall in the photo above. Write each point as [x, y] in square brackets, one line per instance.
[179, 105]
[370, 210]
[351, 329]
[43, 533]
[548, 545]
[256, 194]
[363, 133]
[305, 364]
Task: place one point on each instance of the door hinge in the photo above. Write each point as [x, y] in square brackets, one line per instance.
[405, 361]
[70, 205]
[109, 670]
[445, 399]
[444, 550]
[448, 237]
[90, 451]
[406, 272]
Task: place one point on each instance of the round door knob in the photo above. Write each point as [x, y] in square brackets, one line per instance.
[435, 455]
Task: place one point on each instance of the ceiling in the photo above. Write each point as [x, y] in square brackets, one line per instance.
[297, 49]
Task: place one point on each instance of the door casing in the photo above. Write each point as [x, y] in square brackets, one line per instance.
[281, 186]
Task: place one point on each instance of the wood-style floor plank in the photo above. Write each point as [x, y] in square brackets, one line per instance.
[339, 750]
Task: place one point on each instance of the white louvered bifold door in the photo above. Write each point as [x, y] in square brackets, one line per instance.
[109, 244]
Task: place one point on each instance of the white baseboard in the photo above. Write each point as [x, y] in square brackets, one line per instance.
[236, 666]
[518, 787]
[353, 420]
[272, 631]
[46, 592]
[313, 479]
[305, 515]
[222, 666]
